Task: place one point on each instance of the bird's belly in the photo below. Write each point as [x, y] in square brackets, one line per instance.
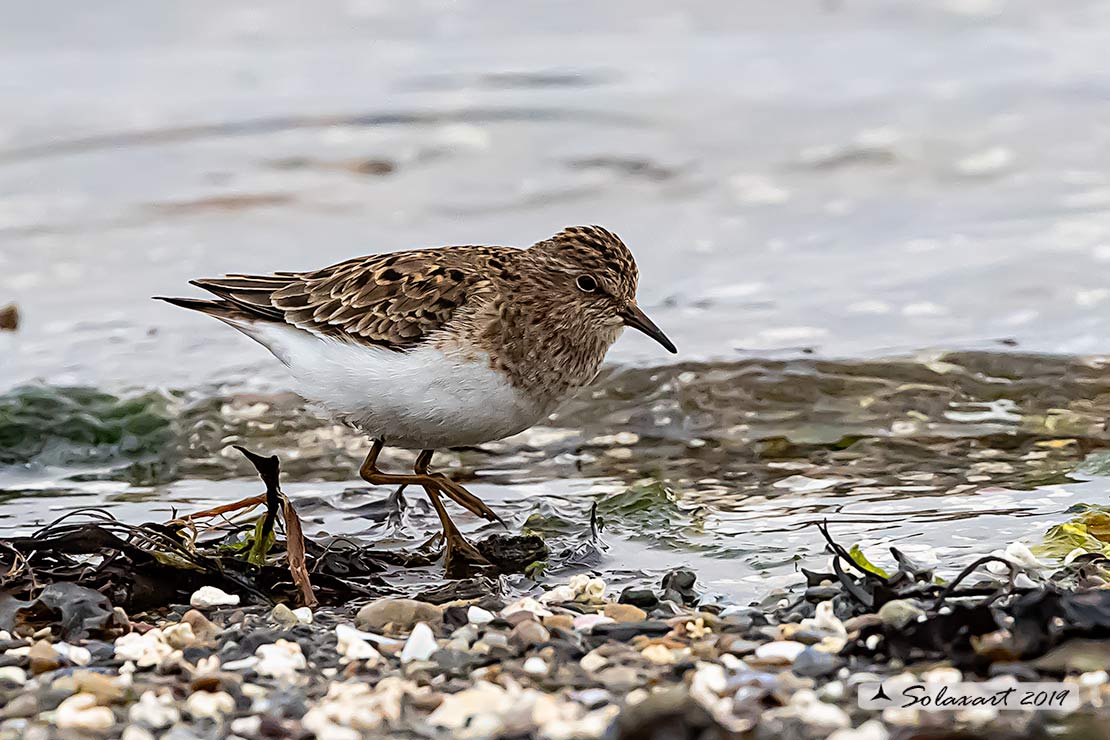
[420, 399]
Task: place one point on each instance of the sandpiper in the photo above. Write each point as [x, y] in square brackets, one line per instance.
[443, 347]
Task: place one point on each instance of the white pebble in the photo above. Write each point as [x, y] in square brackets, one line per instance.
[477, 615]
[136, 732]
[781, 651]
[420, 645]
[73, 653]
[213, 705]
[12, 675]
[82, 712]
[154, 711]
[535, 666]
[280, 660]
[303, 615]
[208, 596]
[147, 649]
[588, 621]
[351, 646]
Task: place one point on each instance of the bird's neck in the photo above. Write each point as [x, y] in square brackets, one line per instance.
[545, 348]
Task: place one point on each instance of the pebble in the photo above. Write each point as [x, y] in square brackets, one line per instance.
[303, 614]
[640, 597]
[136, 732]
[658, 654]
[283, 615]
[154, 711]
[280, 660]
[402, 614]
[872, 729]
[898, 613]
[478, 615]
[814, 663]
[585, 622]
[179, 635]
[22, 705]
[420, 645]
[780, 652]
[624, 613]
[43, 657]
[205, 631]
[529, 633]
[75, 654]
[535, 666]
[350, 645]
[207, 597]
[145, 650]
[592, 661]
[12, 675]
[527, 604]
[208, 704]
[83, 712]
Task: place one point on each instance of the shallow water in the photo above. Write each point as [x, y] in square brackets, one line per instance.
[722, 467]
[852, 180]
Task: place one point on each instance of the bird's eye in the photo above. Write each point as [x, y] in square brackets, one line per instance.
[586, 283]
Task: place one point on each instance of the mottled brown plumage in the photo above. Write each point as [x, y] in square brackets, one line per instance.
[442, 347]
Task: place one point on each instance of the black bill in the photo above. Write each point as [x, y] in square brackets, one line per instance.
[637, 319]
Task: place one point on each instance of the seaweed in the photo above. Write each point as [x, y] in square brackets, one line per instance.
[267, 559]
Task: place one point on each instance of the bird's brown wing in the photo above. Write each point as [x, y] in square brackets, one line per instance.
[388, 300]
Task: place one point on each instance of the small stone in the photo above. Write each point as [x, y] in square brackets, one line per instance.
[20, 706]
[145, 650]
[12, 675]
[527, 604]
[478, 615]
[207, 597]
[782, 652]
[103, 687]
[563, 622]
[303, 615]
[815, 594]
[813, 663]
[154, 711]
[736, 645]
[83, 712]
[625, 631]
[205, 631]
[246, 726]
[283, 615]
[658, 654]
[898, 613]
[420, 645]
[593, 661]
[1020, 671]
[136, 732]
[872, 729]
[535, 666]
[43, 657]
[75, 654]
[403, 614]
[179, 635]
[206, 704]
[624, 613]
[585, 622]
[620, 678]
[641, 597]
[528, 634]
[281, 660]
[351, 645]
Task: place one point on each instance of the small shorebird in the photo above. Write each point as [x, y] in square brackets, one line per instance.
[442, 347]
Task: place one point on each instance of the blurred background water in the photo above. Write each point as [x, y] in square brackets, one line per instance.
[849, 181]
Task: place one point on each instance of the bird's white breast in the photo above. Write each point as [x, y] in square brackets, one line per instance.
[419, 399]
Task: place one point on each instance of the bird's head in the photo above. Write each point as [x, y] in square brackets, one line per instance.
[591, 271]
